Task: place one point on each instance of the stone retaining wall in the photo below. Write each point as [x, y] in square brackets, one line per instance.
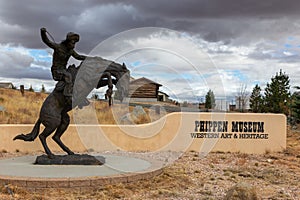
[175, 132]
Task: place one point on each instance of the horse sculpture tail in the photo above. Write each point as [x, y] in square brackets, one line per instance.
[30, 136]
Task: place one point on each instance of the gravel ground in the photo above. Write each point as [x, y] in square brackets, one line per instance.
[272, 175]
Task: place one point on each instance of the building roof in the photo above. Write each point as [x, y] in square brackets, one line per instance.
[145, 80]
[6, 85]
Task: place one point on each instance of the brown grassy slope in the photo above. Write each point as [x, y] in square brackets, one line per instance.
[20, 109]
[25, 109]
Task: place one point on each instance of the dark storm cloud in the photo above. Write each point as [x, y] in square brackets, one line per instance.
[192, 9]
[17, 65]
[93, 20]
[22, 20]
[213, 20]
[214, 24]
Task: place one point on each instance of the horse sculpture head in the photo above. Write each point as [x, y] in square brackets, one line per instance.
[96, 72]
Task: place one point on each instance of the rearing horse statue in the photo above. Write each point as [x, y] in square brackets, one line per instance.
[94, 72]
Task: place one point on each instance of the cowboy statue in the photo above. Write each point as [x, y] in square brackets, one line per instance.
[92, 73]
[62, 52]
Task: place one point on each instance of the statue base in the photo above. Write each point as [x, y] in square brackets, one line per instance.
[75, 159]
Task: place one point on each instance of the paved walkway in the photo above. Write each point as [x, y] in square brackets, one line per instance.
[24, 167]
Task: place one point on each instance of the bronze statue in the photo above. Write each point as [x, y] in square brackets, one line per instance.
[97, 72]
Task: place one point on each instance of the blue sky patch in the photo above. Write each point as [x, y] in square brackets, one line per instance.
[40, 55]
[288, 45]
[237, 73]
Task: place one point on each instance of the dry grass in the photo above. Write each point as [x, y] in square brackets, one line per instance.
[25, 110]
[20, 109]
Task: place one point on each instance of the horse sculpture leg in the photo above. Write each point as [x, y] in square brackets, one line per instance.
[60, 131]
[46, 132]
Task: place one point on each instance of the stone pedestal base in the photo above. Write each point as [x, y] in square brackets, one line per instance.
[75, 159]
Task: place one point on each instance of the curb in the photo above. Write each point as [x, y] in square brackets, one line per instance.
[82, 183]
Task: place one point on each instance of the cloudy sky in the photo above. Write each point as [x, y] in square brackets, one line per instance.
[192, 45]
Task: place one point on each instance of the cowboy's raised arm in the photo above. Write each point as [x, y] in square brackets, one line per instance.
[46, 39]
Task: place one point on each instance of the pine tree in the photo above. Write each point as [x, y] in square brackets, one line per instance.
[256, 100]
[43, 90]
[210, 101]
[31, 89]
[295, 107]
[277, 95]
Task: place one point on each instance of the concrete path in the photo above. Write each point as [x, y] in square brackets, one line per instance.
[114, 165]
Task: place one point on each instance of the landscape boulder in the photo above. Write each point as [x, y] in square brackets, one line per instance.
[130, 118]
